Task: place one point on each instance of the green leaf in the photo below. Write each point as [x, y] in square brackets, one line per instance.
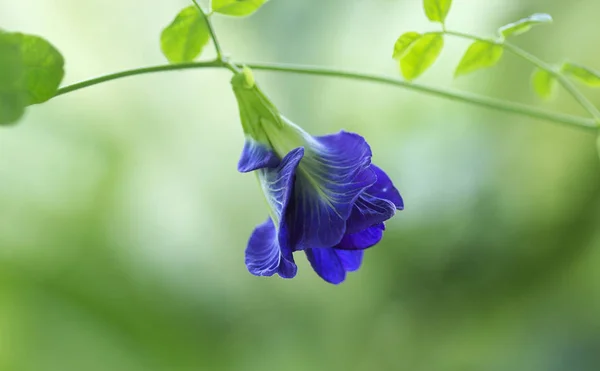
[31, 70]
[544, 83]
[184, 38]
[12, 97]
[237, 8]
[43, 67]
[481, 54]
[421, 55]
[524, 25]
[403, 43]
[583, 74]
[437, 10]
[598, 144]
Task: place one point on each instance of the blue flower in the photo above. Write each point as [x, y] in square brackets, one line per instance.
[323, 194]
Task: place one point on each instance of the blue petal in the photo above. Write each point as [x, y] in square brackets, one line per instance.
[332, 264]
[264, 255]
[327, 264]
[363, 239]
[376, 205]
[368, 211]
[268, 250]
[277, 183]
[256, 155]
[330, 177]
[384, 188]
[351, 260]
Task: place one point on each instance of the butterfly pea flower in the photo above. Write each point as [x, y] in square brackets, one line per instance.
[324, 195]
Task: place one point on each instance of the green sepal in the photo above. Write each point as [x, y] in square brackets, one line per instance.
[261, 120]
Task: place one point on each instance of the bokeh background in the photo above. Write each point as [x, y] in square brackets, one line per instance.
[123, 220]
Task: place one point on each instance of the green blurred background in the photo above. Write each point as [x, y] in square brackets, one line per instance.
[123, 220]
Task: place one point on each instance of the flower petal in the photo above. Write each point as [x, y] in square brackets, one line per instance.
[330, 177]
[264, 255]
[256, 155]
[268, 250]
[327, 264]
[363, 239]
[384, 188]
[351, 260]
[369, 211]
[278, 183]
[332, 264]
[376, 205]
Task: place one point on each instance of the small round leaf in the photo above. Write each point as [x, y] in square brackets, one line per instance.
[12, 97]
[403, 43]
[437, 10]
[184, 39]
[481, 54]
[31, 70]
[584, 74]
[524, 25]
[421, 55]
[237, 8]
[544, 83]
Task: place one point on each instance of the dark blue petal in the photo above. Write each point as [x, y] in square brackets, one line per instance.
[384, 188]
[351, 260]
[369, 210]
[363, 239]
[277, 183]
[256, 156]
[332, 264]
[268, 250]
[285, 270]
[377, 204]
[333, 173]
[264, 256]
[327, 264]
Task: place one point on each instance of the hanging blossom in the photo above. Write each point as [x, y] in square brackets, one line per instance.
[324, 195]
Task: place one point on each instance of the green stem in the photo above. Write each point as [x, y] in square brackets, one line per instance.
[137, 71]
[565, 82]
[583, 101]
[211, 30]
[320, 71]
[449, 94]
[466, 36]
